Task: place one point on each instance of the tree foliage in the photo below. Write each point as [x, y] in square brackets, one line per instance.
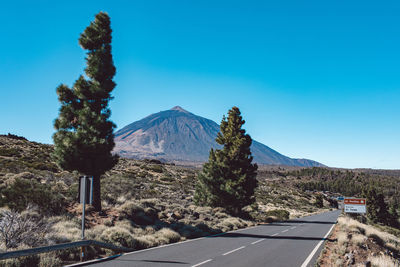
[84, 137]
[378, 187]
[319, 201]
[228, 179]
[377, 209]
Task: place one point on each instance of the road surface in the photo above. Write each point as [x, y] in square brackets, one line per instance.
[290, 243]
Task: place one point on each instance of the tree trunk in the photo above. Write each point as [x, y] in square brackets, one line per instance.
[96, 193]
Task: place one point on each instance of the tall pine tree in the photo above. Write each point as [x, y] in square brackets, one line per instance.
[84, 137]
[228, 179]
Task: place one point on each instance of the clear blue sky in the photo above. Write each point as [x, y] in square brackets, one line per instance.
[313, 79]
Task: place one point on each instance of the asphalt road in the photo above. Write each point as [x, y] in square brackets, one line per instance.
[291, 243]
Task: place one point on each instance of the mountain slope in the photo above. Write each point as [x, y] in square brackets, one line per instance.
[177, 134]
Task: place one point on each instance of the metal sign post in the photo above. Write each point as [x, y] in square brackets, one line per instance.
[83, 188]
[85, 195]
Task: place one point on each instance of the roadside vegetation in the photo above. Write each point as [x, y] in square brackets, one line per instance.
[353, 243]
[145, 203]
[381, 188]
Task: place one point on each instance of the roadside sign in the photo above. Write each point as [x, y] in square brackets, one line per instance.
[341, 198]
[85, 190]
[355, 201]
[355, 205]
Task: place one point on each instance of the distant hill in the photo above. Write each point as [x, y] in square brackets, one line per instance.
[178, 135]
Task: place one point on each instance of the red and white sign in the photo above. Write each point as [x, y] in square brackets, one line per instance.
[355, 201]
[355, 205]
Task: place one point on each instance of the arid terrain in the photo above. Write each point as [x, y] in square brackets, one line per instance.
[145, 203]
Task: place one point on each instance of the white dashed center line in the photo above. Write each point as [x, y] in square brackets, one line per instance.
[275, 234]
[255, 242]
[285, 230]
[293, 227]
[229, 252]
[198, 264]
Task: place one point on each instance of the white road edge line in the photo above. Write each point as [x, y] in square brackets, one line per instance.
[307, 261]
[255, 242]
[201, 263]
[229, 252]
[285, 230]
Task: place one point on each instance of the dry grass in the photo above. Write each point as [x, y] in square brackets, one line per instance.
[370, 231]
[342, 239]
[383, 261]
[358, 239]
[65, 231]
[167, 235]
[363, 242]
[95, 232]
[118, 236]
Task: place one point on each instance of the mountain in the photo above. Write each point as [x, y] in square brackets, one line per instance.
[178, 135]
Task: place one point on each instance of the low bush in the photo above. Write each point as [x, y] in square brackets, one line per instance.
[189, 231]
[10, 152]
[167, 178]
[377, 239]
[22, 261]
[383, 260]
[279, 214]
[21, 229]
[154, 168]
[342, 239]
[166, 235]
[118, 236]
[22, 192]
[358, 239]
[146, 241]
[64, 231]
[50, 260]
[129, 209]
[115, 186]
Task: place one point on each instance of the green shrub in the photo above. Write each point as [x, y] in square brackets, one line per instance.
[49, 166]
[319, 201]
[49, 260]
[115, 186]
[155, 168]
[279, 214]
[22, 192]
[136, 213]
[166, 235]
[21, 261]
[377, 239]
[118, 236]
[130, 208]
[167, 178]
[10, 152]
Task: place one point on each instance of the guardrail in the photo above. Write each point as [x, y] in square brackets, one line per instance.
[83, 243]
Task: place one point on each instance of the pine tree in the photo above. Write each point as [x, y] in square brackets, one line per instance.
[228, 179]
[377, 210]
[372, 205]
[84, 137]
